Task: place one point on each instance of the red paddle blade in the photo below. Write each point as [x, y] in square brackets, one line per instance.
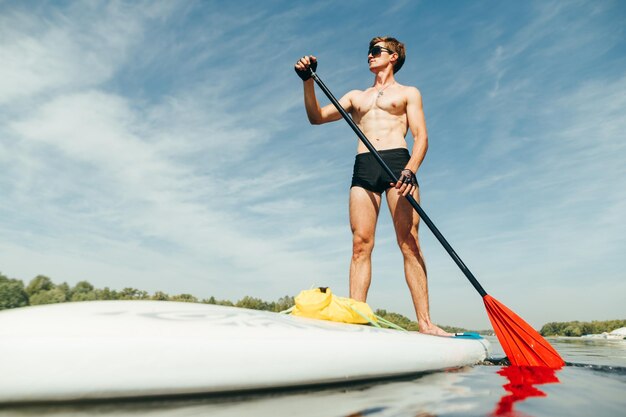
[522, 344]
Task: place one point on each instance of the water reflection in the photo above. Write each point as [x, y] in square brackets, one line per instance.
[379, 410]
[472, 391]
[593, 351]
[522, 384]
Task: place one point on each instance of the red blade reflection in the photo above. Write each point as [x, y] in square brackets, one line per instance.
[521, 385]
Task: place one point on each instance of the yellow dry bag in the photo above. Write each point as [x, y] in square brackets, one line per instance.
[321, 303]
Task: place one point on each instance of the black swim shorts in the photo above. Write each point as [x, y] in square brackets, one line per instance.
[370, 175]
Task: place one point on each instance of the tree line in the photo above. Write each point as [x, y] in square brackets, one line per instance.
[42, 290]
[581, 328]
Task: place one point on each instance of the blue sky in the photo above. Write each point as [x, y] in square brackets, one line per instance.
[164, 146]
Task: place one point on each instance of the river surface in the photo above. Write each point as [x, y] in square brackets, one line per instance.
[593, 384]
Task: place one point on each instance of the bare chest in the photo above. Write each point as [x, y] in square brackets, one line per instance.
[380, 103]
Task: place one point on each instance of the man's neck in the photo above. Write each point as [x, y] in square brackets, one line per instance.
[384, 77]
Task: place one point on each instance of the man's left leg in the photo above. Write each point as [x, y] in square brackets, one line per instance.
[406, 223]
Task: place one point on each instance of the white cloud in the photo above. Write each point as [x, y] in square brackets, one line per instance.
[136, 191]
[74, 48]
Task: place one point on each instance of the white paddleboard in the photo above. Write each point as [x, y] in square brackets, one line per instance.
[123, 349]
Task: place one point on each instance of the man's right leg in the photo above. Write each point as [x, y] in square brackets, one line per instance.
[364, 208]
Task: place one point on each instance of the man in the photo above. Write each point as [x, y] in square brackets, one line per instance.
[384, 112]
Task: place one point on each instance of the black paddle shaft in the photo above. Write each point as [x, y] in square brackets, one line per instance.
[416, 206]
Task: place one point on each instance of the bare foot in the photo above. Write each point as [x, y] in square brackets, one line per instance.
[435, 330]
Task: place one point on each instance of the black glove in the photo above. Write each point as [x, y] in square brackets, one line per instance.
[408, 177]
[305, 74]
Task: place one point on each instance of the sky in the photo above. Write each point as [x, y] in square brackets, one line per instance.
[163, 145]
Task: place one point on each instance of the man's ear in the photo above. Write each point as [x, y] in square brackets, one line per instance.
[393, 57]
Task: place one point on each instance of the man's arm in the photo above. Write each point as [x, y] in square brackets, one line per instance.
[318, 115]
[417, 125]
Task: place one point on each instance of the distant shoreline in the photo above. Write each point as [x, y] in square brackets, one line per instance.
[581, 328]
[42, 290]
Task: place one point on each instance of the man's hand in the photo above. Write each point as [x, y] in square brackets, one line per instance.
[407, 182]
[303, 65]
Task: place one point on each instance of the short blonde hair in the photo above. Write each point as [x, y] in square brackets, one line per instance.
[396, 46]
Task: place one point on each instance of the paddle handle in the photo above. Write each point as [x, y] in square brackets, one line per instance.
[456, 258]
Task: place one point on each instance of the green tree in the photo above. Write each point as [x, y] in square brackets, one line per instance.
[398, 319]
[66, 290]
[12, 293]
[83, 291]
[210, 300]
[187, 298]
[572, 330]
[227, 303]
[84, 296]
[106, 294]
[283, 303]
[587, 328]
[253, 303]
[53, 296]
[160, 296]
[550, 329]
[214, 301]
[82, 287]
[133, 294]
[577, 328]
[39, 283]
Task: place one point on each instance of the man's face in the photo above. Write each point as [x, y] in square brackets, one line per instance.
[379, 56]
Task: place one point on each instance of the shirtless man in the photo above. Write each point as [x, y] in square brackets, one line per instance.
[384, 112]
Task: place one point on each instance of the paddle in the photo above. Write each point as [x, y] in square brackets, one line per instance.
[523, 345]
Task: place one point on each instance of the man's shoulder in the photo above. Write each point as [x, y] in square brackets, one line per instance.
[355, 92]
[352, 94]
[409, 89]
[411, 93]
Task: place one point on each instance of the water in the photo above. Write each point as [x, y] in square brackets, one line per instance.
[593, 384]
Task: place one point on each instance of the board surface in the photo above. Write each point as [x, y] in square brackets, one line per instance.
[121, 349]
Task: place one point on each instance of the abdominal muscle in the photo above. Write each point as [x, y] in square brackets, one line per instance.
[383, 128]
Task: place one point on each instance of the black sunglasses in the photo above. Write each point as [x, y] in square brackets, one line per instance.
[377, 50]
